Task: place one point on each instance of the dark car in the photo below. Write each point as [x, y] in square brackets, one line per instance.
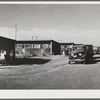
[98, 50]
[22, 55]
[81, 53]
[77, 56]
[95, 49]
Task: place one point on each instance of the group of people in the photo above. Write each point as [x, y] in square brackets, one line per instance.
[6, 58]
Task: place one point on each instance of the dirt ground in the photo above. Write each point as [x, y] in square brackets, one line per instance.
[55, 73]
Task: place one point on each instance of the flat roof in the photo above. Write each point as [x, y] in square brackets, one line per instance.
[66, 43]
[7, 38]
[35, 41]
[32, 40]
[78, 44]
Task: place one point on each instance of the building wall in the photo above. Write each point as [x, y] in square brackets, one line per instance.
[66, 47]
[35, 49]
[7, 45]
[55, 48]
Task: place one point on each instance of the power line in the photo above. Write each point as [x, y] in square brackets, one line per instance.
[17, 14]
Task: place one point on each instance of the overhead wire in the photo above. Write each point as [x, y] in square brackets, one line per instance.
[7, 18]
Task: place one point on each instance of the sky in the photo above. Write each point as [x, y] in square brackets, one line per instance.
[78, 23]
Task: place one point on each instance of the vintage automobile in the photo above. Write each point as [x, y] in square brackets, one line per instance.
[77, 56]
[81, 54]
[98, 50]
[21, 55]
[95, 49]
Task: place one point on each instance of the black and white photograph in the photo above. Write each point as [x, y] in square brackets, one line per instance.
[49, 46]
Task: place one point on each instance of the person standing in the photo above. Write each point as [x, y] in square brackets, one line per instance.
[5, 54]
[3, 61]
[11, 57]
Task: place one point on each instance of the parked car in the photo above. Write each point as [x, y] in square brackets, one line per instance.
[22, 55]
[81, 54]
[95, 49]
[77, 56]
[98, 50]
[19, 55]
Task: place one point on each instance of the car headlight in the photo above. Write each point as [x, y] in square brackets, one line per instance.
[80, 54]
[72, 54]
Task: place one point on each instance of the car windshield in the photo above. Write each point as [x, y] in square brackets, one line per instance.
[78, 51]
[78, 48]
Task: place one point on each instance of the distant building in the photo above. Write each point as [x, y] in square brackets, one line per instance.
[78, 44]
[7, 45]
[65, 48]
[38, 47]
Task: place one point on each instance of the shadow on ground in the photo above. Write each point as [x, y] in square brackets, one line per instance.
[21, 61]
[94, 60]
[91, 61]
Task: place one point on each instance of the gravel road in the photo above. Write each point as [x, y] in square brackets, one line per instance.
[55, 74]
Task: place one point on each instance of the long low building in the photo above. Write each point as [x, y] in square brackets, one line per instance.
[33, 47]
[38, 47]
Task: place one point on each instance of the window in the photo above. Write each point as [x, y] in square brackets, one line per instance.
[36, 45]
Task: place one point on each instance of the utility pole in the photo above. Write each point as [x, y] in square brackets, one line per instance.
[15, 38]
[36, 37]
[32, 37]
[16, 32]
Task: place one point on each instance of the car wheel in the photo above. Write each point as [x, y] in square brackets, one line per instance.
[69, 62]
[84, 62]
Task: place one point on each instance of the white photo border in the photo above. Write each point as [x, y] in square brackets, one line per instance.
[49, 94]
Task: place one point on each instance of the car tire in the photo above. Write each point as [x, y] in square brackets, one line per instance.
[69, 62]
[84, 62]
